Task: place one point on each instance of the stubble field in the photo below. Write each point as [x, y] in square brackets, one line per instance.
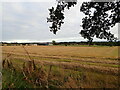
[66, 66]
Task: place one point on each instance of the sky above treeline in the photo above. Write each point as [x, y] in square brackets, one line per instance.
[27, 22]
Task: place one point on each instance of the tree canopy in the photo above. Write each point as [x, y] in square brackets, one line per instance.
[98, 23]
[53, 42]
[57, 15]
[99, 18]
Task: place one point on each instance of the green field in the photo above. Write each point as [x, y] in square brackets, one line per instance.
[60, 67]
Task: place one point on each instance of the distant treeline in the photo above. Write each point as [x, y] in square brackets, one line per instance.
[63, 43]
[93, 43]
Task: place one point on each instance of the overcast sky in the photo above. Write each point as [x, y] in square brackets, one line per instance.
[26, 22]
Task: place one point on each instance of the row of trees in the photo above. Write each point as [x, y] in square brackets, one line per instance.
[87, 43]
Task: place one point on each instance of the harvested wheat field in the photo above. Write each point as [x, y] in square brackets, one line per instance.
[60, 66]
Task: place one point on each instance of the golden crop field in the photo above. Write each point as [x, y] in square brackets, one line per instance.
[97, 66]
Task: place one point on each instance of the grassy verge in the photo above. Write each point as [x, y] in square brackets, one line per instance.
[14, 79]
[34, 75]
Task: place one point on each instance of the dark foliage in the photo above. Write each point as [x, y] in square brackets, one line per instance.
[57, 15]
[98, 23]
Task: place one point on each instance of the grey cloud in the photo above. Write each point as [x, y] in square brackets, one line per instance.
[24, 21]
